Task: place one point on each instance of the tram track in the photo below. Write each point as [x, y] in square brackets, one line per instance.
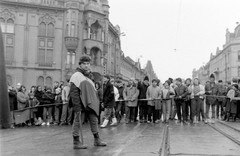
[165, 145]
[227, 130]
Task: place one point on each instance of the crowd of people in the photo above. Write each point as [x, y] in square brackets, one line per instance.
[135, 101]
[45, 105]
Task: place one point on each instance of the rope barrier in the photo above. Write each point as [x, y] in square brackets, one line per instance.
[235, 98]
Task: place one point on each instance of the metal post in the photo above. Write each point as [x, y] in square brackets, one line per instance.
[4, 99]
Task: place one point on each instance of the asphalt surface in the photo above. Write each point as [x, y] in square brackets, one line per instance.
[133, 139]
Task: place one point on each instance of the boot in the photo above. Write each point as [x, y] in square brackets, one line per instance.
[114, 122]
[234, 117]
[228, 115]
[98, 141]
[105, 122]
[197, 120]
[77, 144]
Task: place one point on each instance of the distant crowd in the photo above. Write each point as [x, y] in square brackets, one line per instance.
[136, 101]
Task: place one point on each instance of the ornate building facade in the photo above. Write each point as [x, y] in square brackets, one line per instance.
[225, 64]
[43, 39]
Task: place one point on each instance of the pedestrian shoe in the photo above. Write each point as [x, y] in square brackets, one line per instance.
[206, 121]
[104, 124]
[186, 122]
[148, 122]
[212, 121]
[77, 144]
[62, 123]
[43, 124]
[98, 141]
[48, 123]
[141, 121]
[114, 122]
[178, 121]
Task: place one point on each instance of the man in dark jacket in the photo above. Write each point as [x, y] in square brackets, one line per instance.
[83, 97]
[143, 107]
[211, 90]
[219, 102]
[108, 101]
[181, 93]
[12, 101]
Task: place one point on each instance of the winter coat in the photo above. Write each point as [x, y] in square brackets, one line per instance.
[131, 93]
[12, 99]
[182, 91]
[221, 92]
[108, 95]
[83, 95]
[48, 98]
[200, 94]
[65, 94]
[39, 96]
[120, 91]
[100, 94]
[231, 106]
[154, 93]
[142, 90]
[22, 100]
[213, 91]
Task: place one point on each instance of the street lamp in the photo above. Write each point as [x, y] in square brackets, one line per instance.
[115, 53]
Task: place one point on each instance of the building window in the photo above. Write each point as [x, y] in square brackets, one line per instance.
[40, 81]
[44, 81]
[46, 41]
[72, 30]
[66, 30]
[49, 81]
[7, 27]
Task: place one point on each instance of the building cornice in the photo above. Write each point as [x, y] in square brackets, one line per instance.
[31, 5]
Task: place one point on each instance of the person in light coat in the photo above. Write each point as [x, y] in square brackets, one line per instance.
[130, 94]
[196, 99]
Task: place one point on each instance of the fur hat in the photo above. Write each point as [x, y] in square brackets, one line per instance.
[146, 78]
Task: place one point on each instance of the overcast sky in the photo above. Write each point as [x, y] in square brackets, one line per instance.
[154, 28]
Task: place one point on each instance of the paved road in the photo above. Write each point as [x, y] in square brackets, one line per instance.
[124, 140]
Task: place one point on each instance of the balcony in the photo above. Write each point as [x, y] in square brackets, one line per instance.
[71, 43]
[89, 43]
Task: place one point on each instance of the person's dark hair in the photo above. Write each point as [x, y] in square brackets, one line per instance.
[168, 82]
[235, 85]
[68, 80]
[228, 82]
[179, 79]
[37, 88]
[99, 84]
[220, 81]
[34, 89]
[188, 79]
[154, 80]
[21, 88]
[170, 79]
[84, 59]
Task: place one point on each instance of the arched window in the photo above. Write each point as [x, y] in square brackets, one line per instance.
[49, 81]
[50, 32]
[3, 25]
[10, 26]
[40, 81]
[72, 30]
[42, 29]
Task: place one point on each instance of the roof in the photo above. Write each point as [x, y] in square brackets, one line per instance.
[93, 6]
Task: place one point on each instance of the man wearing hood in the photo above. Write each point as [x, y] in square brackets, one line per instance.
[83, 97]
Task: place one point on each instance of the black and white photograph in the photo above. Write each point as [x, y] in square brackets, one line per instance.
[119, 77]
